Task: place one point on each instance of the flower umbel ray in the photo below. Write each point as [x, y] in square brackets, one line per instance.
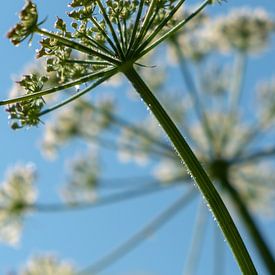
[101, 33]
[96, 37]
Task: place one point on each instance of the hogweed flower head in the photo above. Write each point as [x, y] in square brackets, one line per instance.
[17, 193]
[244, 29]
[47, 265]
[111, 36]
[28, 22]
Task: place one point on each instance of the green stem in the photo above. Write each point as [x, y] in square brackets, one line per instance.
[77, 46]
[206, 187]
[171, 31]
[62, 87]
[263, 248]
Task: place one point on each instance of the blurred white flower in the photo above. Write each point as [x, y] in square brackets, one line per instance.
[17, 192]
[48, 265]
[256, 185]
[266, 100]
[79, 119]
[245, 29]
[83, 179]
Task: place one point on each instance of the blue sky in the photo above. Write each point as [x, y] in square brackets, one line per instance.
[87, 235]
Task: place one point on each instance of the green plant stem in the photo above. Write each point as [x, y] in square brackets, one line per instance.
[170, 32]
[261, 245]
[84, 79]
[206, 187]
[77, 46]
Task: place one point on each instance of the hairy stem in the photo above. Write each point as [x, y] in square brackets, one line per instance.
[206, 187]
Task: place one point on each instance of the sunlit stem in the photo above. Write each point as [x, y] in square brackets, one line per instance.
[62, 87]
[105, 35]
[193, 165]
[121, 35]
[199, 232]
[81, 93]
[99, 46]
[160, 27]
[110, 25]
[135, 29]
[77, 46]
[136, 239]
[172, 31]
[88, 62]
[147, 21]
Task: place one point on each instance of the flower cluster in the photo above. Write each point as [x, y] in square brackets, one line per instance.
[26, 112]
[82, 119]
[17, 193]
[47, 265]
[244, 30]
[28, 22]
[82, 183]
[103, 39]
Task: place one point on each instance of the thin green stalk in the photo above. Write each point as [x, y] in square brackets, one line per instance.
[194, 94]
[81, 93]
[146, 22]
[173, 30]
[110, 25]
[79, 47]
[99, 46]
[160, 27]
[135, 29]
[89, 62]
[105, 35]
[121, 35]
[135, 240]
[62, 87]
[205, 185]
[253, 230]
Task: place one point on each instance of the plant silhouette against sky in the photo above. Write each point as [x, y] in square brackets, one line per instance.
[106, 39]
